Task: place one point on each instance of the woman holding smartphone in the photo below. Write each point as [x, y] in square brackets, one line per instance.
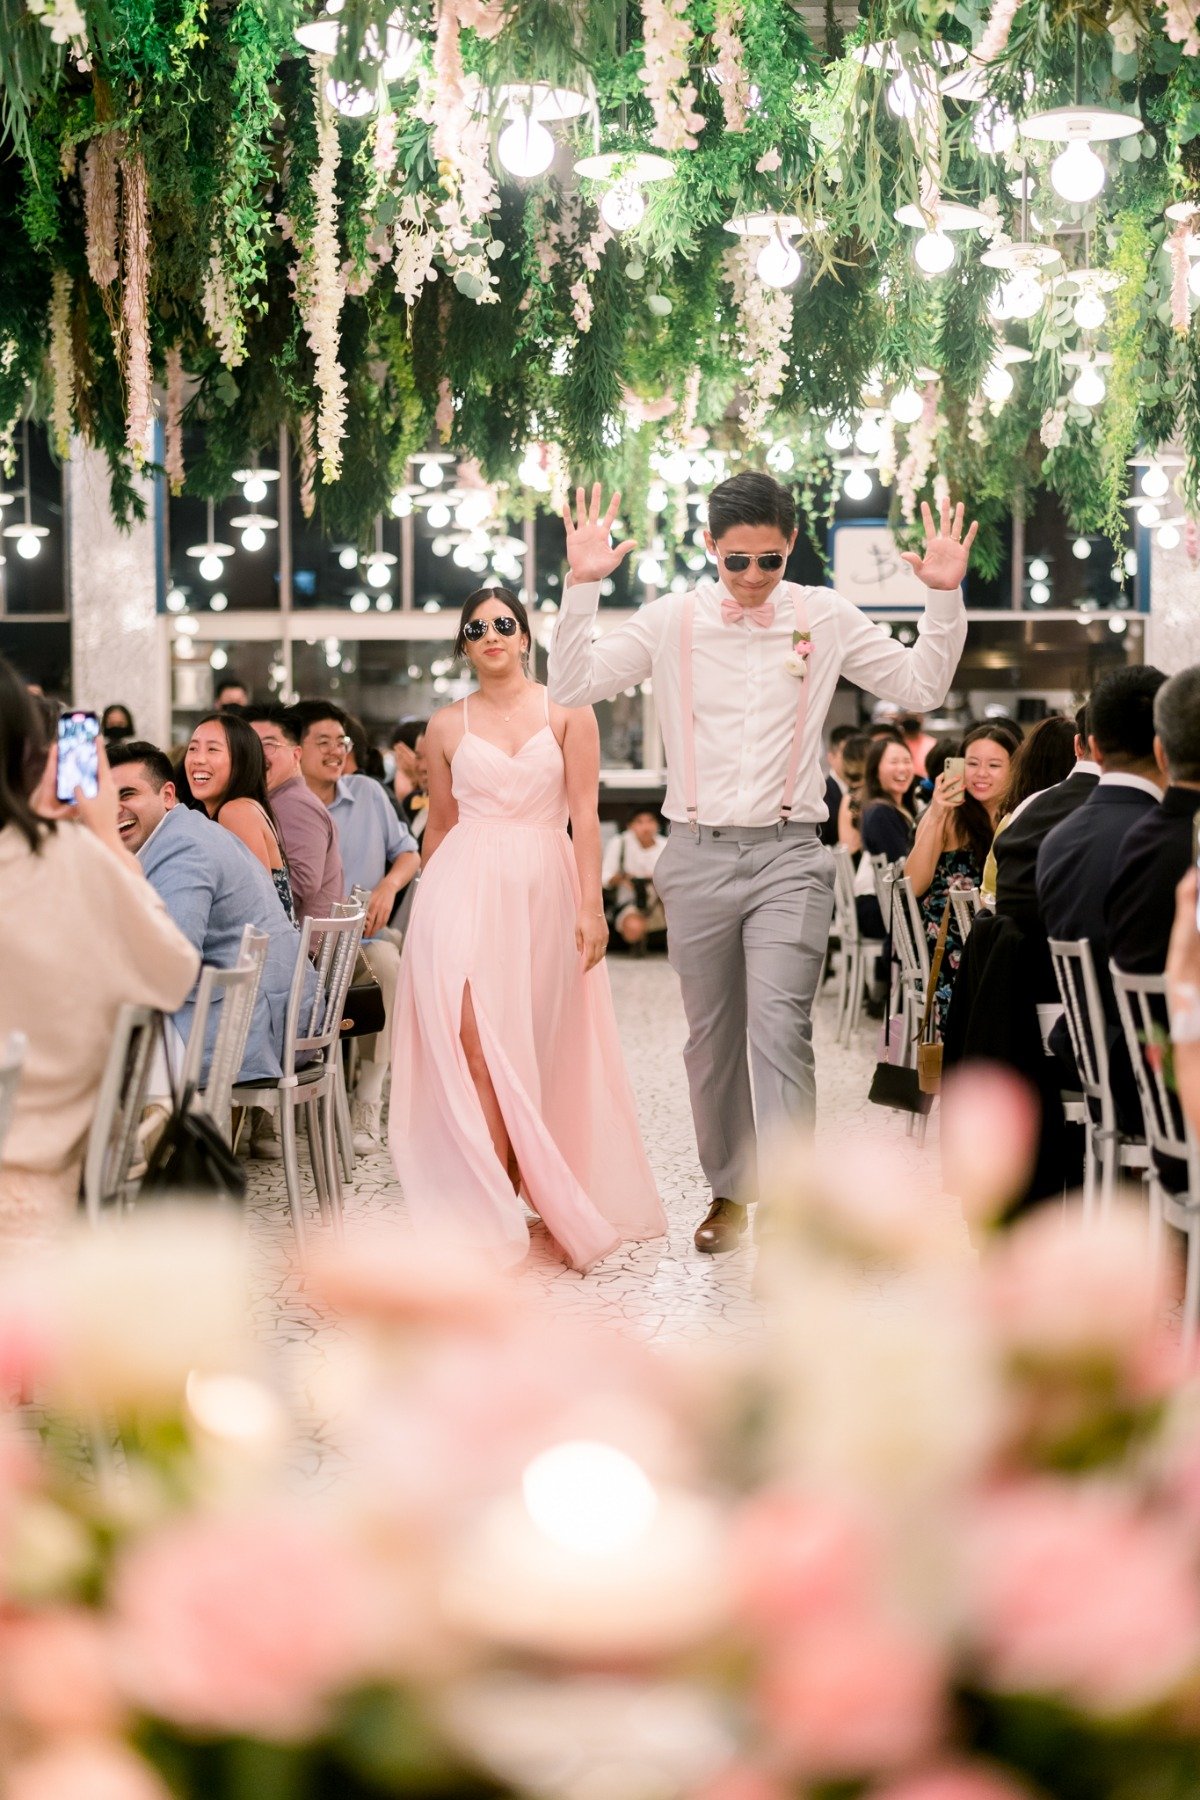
[955, 835]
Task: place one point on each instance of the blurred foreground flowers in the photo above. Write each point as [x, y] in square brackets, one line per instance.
[935, 1537]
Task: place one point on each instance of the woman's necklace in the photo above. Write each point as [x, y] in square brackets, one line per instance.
[506, 716]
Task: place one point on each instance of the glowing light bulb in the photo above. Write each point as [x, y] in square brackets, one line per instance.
[902, 97]
[1039, 593]
[838, 436]
[1089, 311]
[1118, 626]
[997, 384]
[360, 603]
[869, 437]
[994, 130]
[589, 1498]
[1130, 562]
[255, 489]
[781, 458]
[657, 498]
[779, 263]
[253, 538]
[1155, 482]
[402, 506]
[438, 516]
[1089, 388]
[933, 253]
[384, 603]
[1168, 538]
[624, 205]
[906, 406]
[1149, 514]
[430, 473]
[525, 147]
[219, 659]
[28, 546]
[441, 546]
[219, 602]
[348, 558]
[210, 567]
[1077, 173]
[1081, 549]
[857, 485]
[377, 573]
[350, 99]
[176, 600]
[650, 571]
[1022, 296]
[1039, 569]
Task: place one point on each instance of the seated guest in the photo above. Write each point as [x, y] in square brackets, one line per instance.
[1076, 861]
[362, 758]
[835, 782]
[227, 775]
[634, 910]
[378, 854]
[1017, 849]
[213, 887]
[1183, 999]
[854, 764]
[410, 783]
[1046, 757]
[308, 833]
[955, 835]
[1159, 848]
[116, 722]
[887, 825]
[920, 742]
[84, 934]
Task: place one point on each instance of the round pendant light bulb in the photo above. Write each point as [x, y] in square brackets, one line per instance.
[430, 473]
[402, 506]
[219, 602]
[253, 538]
[1149, 514]
[779, 263]
[781, 458]
[902, 97]
[997, 384]
[1168, 538]
[348, 558]
[350, 99]
[869, 437]
[858, 485]
[994, 130]
[1023, 295]
[525, 147]
[1089, 388]
[28, 546]
[1039, 569]
[1155, 481]
[377, 574]
[1081, 549]
[1077, 173]
[623, 206]
[838, 436]
[934, 252]
[1039, 593]
[210, 567]
[438, 516]
[906, 406]
[1089, 311]
[255, 489]
[176, 600]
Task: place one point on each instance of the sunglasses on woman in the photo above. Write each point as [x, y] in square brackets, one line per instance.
[738, 560]
[474, 629]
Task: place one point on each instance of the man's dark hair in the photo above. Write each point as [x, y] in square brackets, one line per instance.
[285, 717]
[840, 733]
[308, 713]
[884, 728]
[1177, 722]
[229, 680]
[408, 731]
[257, 712]
[751, 499]
[644, 812]
[1121, 713]
[1081, 724]
[156, 762]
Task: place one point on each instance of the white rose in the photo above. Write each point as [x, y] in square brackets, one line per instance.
[796, 665]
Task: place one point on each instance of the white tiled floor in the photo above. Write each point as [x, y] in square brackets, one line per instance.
[662, 1289]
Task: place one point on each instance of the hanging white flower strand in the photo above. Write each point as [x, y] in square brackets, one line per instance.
[1179, 23]
[730, 70]
[1180, 270]
[765, 324]
[666, 50]
[225, 324]
[173, 424]
[100, 206]
[308, 465]
[320, 287]
[62, 363]
[996, 34]
[135, 310]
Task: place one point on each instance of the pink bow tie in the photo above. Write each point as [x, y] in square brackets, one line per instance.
[759, 616]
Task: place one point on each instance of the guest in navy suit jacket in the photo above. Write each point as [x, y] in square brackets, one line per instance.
[1140, 908]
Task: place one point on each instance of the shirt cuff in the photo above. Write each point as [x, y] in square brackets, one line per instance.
[943, 603]
[581, 596]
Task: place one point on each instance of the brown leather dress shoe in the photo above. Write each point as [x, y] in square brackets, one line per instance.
[721, 1228]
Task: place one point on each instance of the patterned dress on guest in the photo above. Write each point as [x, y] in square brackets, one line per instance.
[955, 869]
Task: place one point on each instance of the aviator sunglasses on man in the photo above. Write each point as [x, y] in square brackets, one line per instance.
[475, 629]
[737, 561]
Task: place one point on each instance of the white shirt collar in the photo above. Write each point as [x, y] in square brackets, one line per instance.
[1118, 778]
[1084, 767]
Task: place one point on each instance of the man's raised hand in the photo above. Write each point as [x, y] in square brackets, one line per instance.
[590, 555]
[946, 550]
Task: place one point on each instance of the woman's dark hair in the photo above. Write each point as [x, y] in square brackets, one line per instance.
[935, 759]
[22, 757]
[872, 790]
[472, 604]
[115, 732]
[409, 731]
[1045, 758]
[247, 764]
[854, 757]
[974, 825]
[368, 760]
[751, 499]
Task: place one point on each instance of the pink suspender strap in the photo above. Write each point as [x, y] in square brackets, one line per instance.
[686, 698]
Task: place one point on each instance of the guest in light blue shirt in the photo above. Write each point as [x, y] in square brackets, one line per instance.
[213, 887]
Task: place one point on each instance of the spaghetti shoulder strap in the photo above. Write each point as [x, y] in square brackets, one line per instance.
[466, 714]
[546, 700]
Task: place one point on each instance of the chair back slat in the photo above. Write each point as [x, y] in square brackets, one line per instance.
[1075, 972]
[12, 1060]
[120, 1102]
[338, 940]
[844, 910]
[1142, 1004]
[239, 987]
[908, 935]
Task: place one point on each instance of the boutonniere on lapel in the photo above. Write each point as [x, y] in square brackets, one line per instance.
[796, 660]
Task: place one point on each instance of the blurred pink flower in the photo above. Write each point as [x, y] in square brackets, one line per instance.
[243, 1624]
[56, 1672]
[374, 1274]
[954, 1781]
[84, 1769]
[853, 1201]
[858, 1695]
[796, 1558]
[1075, 1592]
[1060, 1292]
[742, 1781]
[988, 1138]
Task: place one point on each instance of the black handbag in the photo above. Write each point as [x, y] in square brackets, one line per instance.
[363, 1014]
[901, 1089]
[191, 1159]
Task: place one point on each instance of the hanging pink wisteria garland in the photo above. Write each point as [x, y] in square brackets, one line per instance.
[667, 46]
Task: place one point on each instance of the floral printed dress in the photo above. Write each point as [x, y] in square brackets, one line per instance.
[955, 869]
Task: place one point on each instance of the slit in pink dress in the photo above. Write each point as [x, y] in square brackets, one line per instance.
[495, 912]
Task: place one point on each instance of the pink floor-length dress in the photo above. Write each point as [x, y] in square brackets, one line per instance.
[495, 913]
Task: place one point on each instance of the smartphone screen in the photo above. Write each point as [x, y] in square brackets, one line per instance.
[77, 765]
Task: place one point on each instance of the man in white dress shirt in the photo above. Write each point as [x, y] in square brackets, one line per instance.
[744, 670]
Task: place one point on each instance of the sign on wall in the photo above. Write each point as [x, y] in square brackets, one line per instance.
[867, 568]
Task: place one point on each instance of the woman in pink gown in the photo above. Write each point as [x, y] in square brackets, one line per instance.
[508, 1082]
